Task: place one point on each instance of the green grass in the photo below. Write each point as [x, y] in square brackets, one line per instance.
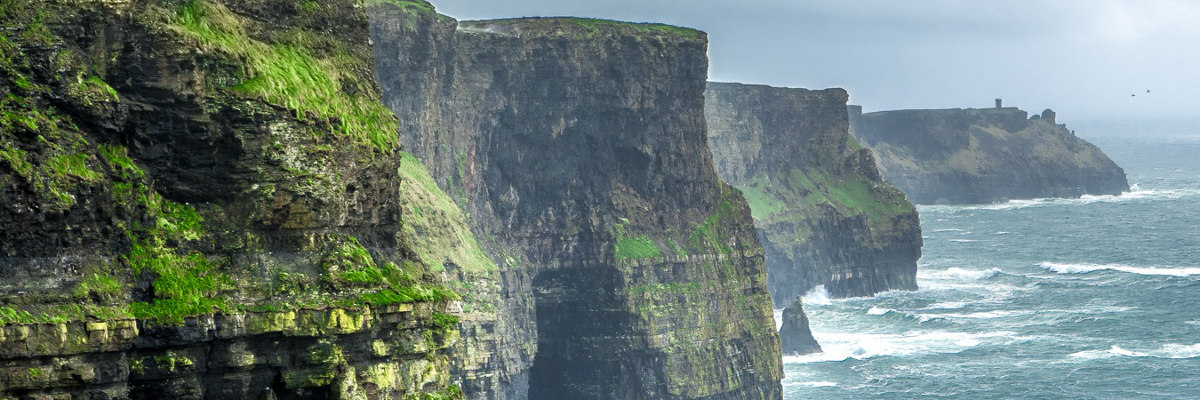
[637, 247]
[289, 75]
[406, 5]
[72, 166]
[98, 285]
[632, 247]
[708, 234]
[434, 224]
[762, 203]
[444, 321]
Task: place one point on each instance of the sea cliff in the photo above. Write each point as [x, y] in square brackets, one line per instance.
[824, 214]
[206, 199]
[972, 156]
[577, 147]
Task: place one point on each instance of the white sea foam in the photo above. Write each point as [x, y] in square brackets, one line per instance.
[820, 384]
[1064, 268]
[1114, 351]
[963, 240]
[1178, 351]
[1135, 195]
[817, 296]
[878, 311]
[1169, 350]
[960, 274]
[861, 346]
[951, 230]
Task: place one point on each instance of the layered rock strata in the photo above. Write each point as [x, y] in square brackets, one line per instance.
[205, 199]
[577, 147]
[971, 156]
[822, 211]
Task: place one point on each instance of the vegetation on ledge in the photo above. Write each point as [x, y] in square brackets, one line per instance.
[321, 87]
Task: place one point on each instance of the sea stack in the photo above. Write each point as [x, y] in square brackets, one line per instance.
[796, 337]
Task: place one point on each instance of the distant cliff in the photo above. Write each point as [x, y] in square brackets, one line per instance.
[205, 199]
[824, 214]
[628, 270]
[969, 156]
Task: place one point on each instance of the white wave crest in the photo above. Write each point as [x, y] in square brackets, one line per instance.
[815, 384]
[956, 273]
[1169, 350]
[817, 296]
[1064, 268]
[1135, 195]
[878, 311]
[1178, 351]
[963, 240]
[861, 346]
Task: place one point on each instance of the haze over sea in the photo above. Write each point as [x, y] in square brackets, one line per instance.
[1086, 298]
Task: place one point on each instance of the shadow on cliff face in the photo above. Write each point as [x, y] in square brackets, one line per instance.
[581, 327]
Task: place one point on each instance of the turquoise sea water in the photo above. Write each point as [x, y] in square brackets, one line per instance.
[1092, 298]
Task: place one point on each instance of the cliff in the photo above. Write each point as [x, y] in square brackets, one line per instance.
[959, 156]
[577, 147]
[206, 199]
[822, 211]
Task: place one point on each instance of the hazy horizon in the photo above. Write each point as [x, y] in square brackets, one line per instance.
[1094, 62]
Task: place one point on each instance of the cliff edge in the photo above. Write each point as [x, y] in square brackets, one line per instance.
[973, 156]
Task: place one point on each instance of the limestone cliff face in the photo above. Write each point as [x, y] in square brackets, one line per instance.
[578, 148]
[824, 214]
[205, 199]
[959, 156]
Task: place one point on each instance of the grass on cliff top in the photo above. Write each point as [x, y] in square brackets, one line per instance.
[406, 5]
[585, 27]
[331, 90]
[433, 223]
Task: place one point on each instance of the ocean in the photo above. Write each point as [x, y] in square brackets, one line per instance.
[1091, 298]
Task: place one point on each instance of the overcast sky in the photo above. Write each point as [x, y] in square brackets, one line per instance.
[1084, 58]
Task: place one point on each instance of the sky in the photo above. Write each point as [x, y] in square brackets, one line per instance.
[1089, 60]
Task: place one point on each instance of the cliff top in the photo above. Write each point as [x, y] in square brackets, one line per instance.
[407, 5]
[779, 89]
[933, 111]
[579, 28]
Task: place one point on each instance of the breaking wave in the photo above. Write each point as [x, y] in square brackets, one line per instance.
[1063, 268]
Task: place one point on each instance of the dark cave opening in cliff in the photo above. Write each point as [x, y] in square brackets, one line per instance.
[582, 337]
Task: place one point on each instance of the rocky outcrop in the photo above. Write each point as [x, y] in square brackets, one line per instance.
[795, 336]
[823, 213]
[970, 156]
[205, 199]
[577, 147]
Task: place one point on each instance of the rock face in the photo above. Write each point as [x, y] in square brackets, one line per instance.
[205, 199]
[794, 335]
[628, 269]
[823, 213]
[959, 156]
